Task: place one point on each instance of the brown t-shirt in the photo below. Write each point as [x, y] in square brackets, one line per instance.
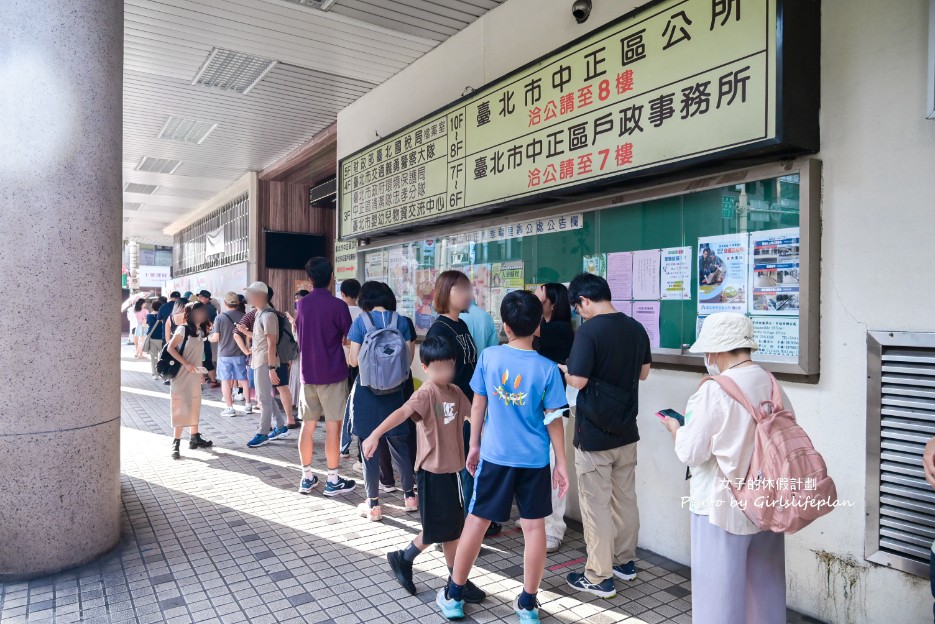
[440, 412]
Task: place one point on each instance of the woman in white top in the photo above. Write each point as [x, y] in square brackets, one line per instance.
[738, 571]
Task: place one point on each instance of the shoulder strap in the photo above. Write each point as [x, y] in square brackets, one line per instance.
[394, 321]
[777, 394]
[729, 386]
[368, 322]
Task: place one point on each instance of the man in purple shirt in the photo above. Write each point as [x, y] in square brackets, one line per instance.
[321, 323]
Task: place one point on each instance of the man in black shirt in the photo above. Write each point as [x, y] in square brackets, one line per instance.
[609, 357]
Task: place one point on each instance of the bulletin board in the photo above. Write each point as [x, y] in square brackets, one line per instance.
[760, 225]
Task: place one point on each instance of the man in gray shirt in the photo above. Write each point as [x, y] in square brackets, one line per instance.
[232, 360]
[264, 362]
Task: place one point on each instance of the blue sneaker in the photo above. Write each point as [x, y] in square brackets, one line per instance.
[282, 432]
[341, 486]
[258, 440]
[307, 485]
[625, 572]
[526, 616]
[451, 609]
[604, 589]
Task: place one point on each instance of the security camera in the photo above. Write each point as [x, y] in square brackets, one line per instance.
[581, 10]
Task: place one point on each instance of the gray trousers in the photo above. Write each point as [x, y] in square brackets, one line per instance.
[268, 405]
[155, 348]
[737, 579]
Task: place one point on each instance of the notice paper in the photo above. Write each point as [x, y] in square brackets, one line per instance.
[776, 336]
[620, 274]
[775, 272]
[647, 314]
[595, 265]
[623, 306]
[722, 274]
[676, 274]
[646, 274]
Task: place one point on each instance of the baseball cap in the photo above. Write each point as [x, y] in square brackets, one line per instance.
[205, 293]
[257, 287]
[232, 299]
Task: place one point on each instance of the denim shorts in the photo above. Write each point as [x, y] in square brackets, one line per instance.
[232, 368]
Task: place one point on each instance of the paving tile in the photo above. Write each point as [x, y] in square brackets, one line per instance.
[221, 537]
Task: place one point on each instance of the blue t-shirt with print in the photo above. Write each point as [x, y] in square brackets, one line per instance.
[358, 330]
[519, 385]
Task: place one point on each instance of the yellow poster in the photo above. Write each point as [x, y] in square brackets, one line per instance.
[680, 80]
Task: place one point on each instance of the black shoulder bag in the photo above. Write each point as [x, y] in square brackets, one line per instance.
[167, 366]
[606, 406]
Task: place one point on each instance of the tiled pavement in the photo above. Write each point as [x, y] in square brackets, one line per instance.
[222, 536]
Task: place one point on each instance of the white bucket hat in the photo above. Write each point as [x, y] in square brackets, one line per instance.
[725, 331]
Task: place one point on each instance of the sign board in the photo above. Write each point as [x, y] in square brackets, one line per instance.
[680, 82]
[345, 260]
[151, 276]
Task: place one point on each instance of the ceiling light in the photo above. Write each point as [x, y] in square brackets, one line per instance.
[142, 189]
[232, 71]
[321, 5]
[158, 165]
[186, 130]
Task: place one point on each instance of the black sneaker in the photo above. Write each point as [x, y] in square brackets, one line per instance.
[402, 570]
[175, 448]
[196, 441]
[473, 594]
[493, 529]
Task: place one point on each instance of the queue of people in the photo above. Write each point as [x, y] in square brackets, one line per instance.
[487, 427]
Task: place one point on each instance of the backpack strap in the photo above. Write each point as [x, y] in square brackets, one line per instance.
[394, 321]
[777, 394]
[368, 322]
[730, 387]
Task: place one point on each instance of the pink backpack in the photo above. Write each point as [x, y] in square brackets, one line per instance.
[787, 486]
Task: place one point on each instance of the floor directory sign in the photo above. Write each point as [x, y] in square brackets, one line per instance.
[676, 83]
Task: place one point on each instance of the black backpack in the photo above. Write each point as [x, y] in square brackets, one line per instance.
[168, 367]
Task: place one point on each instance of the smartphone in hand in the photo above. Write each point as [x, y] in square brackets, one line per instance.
[671, 413]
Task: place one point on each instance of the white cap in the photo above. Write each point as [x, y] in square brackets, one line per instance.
[257, 287]
[725, 331]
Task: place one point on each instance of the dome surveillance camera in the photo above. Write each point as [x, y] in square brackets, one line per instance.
[581, 10]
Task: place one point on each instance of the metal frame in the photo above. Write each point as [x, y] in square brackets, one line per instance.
[809, 171]
[876, 340]
[188, 248]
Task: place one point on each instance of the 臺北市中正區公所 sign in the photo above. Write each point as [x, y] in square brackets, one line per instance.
[679, 81]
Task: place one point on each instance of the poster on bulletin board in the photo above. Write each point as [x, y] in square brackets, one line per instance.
[595, 265]
[722, 274]
[774, 272]
[676, 274]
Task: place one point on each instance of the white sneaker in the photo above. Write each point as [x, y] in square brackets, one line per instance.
[239, 398]
[552, 544]
[387, 488]
[375, 514]
[228, 412]
[519, 524]
[247, 409]
[358, 467]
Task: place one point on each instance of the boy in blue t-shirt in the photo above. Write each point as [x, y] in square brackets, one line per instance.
[515, 387]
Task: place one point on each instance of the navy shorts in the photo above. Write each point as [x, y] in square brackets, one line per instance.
[495, 488]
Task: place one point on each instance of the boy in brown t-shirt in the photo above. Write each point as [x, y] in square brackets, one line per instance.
[439, 409]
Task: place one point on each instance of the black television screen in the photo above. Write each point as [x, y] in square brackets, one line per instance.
[290, 250]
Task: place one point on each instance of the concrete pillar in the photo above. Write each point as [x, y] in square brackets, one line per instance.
[61, 67]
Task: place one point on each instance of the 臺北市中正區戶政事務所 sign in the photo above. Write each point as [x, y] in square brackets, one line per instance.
[679, 81]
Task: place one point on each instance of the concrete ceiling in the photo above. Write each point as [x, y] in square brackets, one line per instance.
[324, 60]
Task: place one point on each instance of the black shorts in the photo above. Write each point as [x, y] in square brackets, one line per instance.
[282, 371]
[208, 361]
[440, 506]
[496, 486]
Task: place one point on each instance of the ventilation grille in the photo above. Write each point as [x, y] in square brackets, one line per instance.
[131, 206]
[184, 130]
[232, 71]
[143, 189]
[158, 165]
[325, 190]
[902, 412]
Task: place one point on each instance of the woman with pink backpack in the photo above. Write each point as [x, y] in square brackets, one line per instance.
[754, 477]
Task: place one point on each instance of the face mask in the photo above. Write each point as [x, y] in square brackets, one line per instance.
[710, 364]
